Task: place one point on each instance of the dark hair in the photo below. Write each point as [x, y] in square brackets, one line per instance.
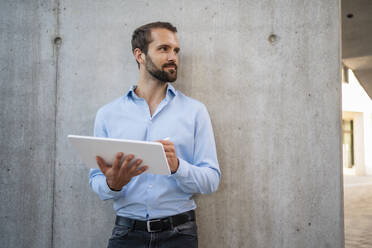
[141, 37]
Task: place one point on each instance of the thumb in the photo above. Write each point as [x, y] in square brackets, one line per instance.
[102, 165]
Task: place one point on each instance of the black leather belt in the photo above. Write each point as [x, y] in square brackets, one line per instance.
[156, 225]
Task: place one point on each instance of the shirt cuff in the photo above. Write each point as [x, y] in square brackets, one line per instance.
[107, 189]
[183, 169]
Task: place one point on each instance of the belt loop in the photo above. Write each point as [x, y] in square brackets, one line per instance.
[171, 222]
[133, 225]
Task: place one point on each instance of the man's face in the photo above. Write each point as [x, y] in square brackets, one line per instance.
[162, 55]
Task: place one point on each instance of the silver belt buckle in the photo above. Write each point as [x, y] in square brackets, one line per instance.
[149, 225]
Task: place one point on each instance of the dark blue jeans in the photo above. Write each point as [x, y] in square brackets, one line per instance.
[182, 236]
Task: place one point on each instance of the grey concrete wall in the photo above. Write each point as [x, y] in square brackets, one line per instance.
[269, 73]
[27, 122]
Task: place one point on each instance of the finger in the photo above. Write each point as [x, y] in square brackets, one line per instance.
[124, 165]
[101, 164]
[170, 155]
[165, 142]
[116, 164]
[169, 149]
[135, 165]
[141, 170]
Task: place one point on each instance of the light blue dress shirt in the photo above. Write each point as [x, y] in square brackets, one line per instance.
[187, 124]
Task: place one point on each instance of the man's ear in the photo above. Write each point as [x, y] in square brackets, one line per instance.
[139, 55]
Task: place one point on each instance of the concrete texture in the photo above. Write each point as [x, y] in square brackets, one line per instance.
[269, 73]
[27, 122]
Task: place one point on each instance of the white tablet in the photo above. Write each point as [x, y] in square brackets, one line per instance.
[152, 153]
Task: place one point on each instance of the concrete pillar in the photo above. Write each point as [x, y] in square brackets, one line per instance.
[27, 122]
[359, 144]
[368, 141]
[363, 143]
[269, 74]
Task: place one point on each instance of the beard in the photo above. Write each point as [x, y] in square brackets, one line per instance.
[161, 74]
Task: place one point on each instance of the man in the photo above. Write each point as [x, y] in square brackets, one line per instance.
[156, 210]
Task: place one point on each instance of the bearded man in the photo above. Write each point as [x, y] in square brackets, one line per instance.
[156, 210]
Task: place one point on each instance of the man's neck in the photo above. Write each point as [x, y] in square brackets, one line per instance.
[152, 90]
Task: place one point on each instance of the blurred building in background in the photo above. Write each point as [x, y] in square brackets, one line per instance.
[356, 126]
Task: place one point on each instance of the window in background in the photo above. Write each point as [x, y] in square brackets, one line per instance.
[347, 143]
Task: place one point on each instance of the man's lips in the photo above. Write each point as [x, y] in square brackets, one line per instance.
[173, 67]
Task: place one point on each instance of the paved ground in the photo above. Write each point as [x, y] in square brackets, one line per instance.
[358, 211]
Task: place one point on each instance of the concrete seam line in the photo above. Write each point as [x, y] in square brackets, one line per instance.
[56, 46]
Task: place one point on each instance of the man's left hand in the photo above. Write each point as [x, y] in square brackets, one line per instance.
[170, 152]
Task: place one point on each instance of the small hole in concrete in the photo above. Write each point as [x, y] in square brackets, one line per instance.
[350, 15]
[272, 38]
[58, 41]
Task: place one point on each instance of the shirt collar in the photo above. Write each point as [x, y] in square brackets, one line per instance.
[171, 91]
[130, 93]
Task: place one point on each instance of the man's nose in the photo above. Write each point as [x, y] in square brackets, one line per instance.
[172, 56]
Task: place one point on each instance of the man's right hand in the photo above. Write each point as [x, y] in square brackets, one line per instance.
[117, 175]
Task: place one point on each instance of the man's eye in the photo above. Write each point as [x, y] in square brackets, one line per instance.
[163, 49]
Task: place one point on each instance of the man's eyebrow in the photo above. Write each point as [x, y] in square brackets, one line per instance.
[168, 46]
[163, 45]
